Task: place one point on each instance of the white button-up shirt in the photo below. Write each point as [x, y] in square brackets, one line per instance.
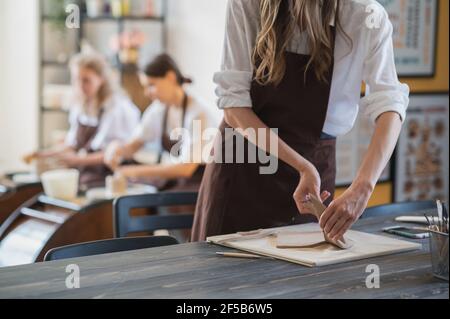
[119, 119]
[369, 59]
[198, 115]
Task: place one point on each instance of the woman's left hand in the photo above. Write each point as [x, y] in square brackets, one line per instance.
[128, 171]
[344, 211]
[69, 159]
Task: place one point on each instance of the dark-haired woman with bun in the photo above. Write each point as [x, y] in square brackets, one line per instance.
[175, 118]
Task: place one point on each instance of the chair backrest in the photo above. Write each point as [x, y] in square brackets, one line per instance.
[125, 224]
[108, 246]
[397, 208]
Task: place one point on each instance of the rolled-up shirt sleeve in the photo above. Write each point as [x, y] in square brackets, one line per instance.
[234, 79]
[384, 92]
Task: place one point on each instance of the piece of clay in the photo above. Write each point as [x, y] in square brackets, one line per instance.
[341, 243]
[300, 240]
[318, 208]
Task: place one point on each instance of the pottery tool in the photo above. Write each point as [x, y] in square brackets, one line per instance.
[439, 232]
[241, 255]
[412, 219]
[441, 223]
[431, 230]
[439, 209]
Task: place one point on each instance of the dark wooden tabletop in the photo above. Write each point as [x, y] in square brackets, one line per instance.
[195, 271]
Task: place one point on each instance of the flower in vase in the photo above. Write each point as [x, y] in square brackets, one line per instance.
[127, 45]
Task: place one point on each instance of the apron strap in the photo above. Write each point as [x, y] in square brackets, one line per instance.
[92, 133]
[164, 135]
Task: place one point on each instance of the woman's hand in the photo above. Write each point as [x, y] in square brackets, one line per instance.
[344, 211]
[129, 171]
[29, 158]
[309, 184]
[70, 159]
[113, 155]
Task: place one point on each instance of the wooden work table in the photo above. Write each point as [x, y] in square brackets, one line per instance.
[194, 271]
[13, 195]
[43, 223]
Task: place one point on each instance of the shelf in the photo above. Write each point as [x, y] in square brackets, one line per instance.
[53, 110]
[86, 24]
[85, 18]
[52, 18]
[123, 18]
[54, 64]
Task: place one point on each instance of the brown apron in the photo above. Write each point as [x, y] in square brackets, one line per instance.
[94, 175]
[236, 197]
[190, 184]
[180, 184]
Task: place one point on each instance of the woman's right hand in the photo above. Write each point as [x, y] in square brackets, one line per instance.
[113, 155]
[29, 158]
[309, 184]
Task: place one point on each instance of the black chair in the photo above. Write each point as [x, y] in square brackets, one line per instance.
[125, 224]
[398, 208]
[108, 246]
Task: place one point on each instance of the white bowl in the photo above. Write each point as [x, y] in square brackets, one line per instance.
[61, 183]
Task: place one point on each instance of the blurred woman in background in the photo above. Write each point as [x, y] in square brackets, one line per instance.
[99, 114]
[180, 165]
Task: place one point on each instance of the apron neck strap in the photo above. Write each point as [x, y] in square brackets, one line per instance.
[166, 113]
[166, 118]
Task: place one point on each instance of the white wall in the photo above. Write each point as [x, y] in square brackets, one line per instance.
[196, 33]
[18, 81]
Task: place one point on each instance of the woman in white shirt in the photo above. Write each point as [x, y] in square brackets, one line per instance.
[297, 66]
[98, 115]
[176, 120]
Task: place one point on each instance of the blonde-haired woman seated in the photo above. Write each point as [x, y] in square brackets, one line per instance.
[98, 115]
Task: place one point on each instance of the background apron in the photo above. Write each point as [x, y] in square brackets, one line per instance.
[236, 197]
[189, 184]
[179, 184]
[93, 175]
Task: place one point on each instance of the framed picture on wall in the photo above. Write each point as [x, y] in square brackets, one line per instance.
[422, 154]
[415, 35]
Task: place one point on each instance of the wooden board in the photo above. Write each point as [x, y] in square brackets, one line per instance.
[364, 246]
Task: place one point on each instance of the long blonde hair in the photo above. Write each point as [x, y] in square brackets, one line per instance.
[279, 18]
[96, 63]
